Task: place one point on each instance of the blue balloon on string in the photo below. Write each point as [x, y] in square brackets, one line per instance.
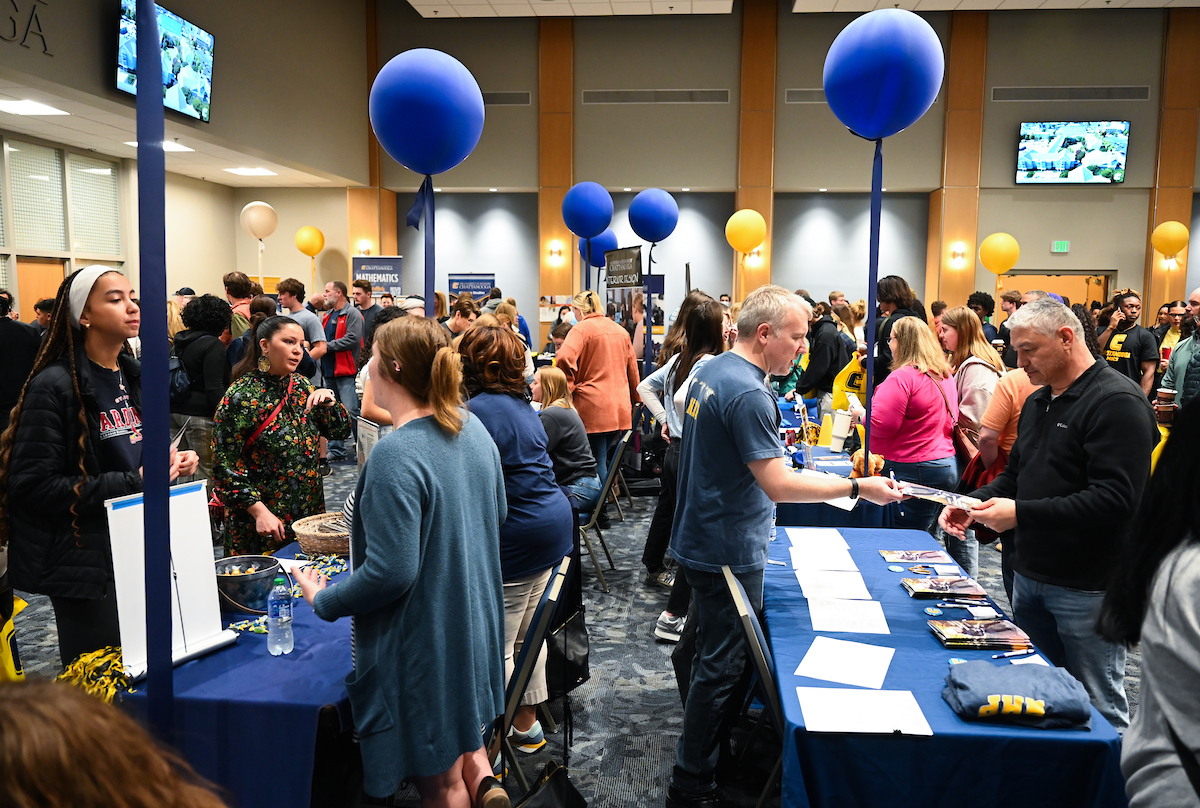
[587, 209]
[653, 214]
[600, 244]
[427, 110]
[883, 72]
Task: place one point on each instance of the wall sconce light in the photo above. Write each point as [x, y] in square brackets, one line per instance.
[364, 247]
[556, 252]
[754, 258]
[1171, 263]
[958, 254]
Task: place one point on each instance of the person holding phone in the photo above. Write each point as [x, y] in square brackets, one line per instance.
[75, 440]
[1128, 348]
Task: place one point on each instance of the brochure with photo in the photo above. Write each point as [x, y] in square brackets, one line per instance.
[943, 588]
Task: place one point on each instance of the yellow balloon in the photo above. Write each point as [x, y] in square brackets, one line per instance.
[259, 219]
[310, 241]
[1169, 238]
[999, 253]
[746, 230]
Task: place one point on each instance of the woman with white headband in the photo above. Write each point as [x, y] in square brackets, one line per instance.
[74, 441]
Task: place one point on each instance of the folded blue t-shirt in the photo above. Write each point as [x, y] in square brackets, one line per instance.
[1029, 695]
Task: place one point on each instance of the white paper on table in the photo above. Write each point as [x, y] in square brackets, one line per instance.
[947, 570]
[982, 612]
[844, 503]
[845, 662]
[837, 709]
[847, 616]
[832, 584]
[1031, 660]
[822, 558]
[816, 537]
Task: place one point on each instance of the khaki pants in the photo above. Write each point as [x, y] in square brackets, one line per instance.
[521, 599]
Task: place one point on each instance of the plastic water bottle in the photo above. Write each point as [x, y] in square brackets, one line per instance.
[279, 619]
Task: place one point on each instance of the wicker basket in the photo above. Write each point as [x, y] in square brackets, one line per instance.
[317, 541]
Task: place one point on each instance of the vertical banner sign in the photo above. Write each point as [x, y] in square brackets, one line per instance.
[383, 271]
[478, 285]
[152, 285]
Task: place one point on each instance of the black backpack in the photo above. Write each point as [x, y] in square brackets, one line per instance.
[180, 382]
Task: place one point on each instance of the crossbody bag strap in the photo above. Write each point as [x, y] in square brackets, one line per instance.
[274, 413]
[945, 400]
[1187, 758]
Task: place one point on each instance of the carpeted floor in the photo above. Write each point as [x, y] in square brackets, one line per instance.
[627, 716]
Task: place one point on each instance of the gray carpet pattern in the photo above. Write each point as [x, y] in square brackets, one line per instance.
[627, 717]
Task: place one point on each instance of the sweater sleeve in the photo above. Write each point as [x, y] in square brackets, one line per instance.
[553, 428]
[567, 358]
[976, 383]
[653, 386]
[391, 510]
[890, 404]
[819, 360]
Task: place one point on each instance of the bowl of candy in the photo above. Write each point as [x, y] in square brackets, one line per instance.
[243, 582]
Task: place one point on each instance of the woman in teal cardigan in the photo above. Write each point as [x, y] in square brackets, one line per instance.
[426, 588]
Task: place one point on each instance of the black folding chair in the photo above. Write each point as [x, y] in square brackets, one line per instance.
[535, 638]
[764, 666]
[613, 470]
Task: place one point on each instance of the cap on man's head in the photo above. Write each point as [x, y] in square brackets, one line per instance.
[186, 290]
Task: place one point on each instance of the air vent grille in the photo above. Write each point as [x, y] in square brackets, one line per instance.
[804, 96]
[656, 96]
[1136, 93]
[507, 99]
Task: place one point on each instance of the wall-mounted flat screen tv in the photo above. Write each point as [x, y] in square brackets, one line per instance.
[1072, 152]
[185, 56]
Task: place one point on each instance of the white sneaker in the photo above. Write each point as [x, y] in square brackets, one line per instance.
[669, 627]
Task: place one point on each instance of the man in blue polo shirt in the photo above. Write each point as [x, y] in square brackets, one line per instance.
[731, 473]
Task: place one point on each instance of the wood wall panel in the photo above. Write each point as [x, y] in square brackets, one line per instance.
[362, 222]
[756, 132]
[1175, 165]
[388, 223]
[556, 158]
[954, 209]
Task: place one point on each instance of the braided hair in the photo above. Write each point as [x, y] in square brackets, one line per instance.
[61, 339]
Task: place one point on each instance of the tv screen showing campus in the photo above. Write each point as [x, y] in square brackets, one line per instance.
[1072, 152]
[185, 54]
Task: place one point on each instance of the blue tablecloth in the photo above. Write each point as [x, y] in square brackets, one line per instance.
[793, 419]
[248, 721]
[962, 764]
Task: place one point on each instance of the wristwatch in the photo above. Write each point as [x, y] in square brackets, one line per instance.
[853, 488]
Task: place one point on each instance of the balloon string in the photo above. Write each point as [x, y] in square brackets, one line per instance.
[872, 283]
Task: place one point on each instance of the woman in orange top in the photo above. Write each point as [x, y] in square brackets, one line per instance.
[597, 359]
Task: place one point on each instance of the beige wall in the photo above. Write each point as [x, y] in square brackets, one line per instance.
[812, 147]
[502, 54]
[289, 76]
[200, 224]
[322, 208]
[666, 145]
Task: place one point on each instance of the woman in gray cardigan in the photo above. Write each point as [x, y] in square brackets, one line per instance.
[426, 588]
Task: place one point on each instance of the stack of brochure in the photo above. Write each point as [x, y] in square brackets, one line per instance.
[998, 634]
[943, 588]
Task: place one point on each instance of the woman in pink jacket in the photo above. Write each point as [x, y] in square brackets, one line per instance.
[597, 358]
[913, 416]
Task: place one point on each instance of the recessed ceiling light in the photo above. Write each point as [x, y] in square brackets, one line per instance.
[39, 177]
[437, 190]
[29, 108]
[883, 189]
[685, 189]
[822, 190]
[493, 190]
[103, 171]
[626, 189]
[252, 172]
[168, 145]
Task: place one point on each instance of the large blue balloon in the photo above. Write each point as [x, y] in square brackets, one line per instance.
[600, 244]
[883, 72]
[653, 214]
[427, 110]
[587, 209]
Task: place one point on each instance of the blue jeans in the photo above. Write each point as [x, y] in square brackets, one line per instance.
[920, 514]
[602, 444]
[1062, 624]
[717, 671]
[343, 388]
[586, 491]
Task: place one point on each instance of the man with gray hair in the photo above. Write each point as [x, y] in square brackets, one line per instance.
[730, 473]
[1070, 491]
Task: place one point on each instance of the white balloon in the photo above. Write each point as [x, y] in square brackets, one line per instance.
[259, 219]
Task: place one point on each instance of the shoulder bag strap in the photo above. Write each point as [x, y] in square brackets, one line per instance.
[1187, 758]
[274, 413]
[945, 400]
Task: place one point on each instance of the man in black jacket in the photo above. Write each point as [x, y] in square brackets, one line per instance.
[1072, 485]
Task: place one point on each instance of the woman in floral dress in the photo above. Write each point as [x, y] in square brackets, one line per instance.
[266, 435]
